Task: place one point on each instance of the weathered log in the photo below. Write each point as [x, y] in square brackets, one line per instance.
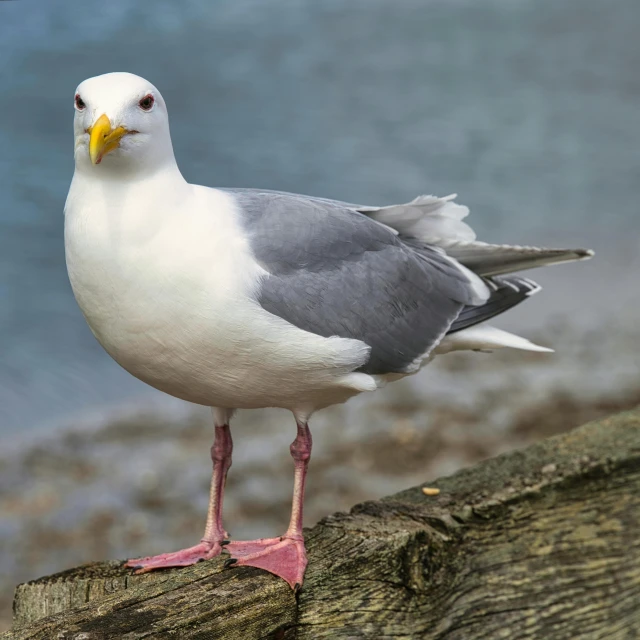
[539, 543]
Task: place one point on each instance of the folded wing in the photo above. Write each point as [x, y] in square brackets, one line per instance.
[333, 272]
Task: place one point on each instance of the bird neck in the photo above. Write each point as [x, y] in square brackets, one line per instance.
[125, 202]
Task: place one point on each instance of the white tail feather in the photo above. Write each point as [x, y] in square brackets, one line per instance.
[485, 338]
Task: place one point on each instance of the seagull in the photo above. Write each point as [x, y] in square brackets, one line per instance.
[247, 298]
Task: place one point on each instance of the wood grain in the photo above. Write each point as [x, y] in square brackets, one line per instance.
[540, 543]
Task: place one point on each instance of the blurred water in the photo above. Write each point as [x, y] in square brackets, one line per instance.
[529, 110]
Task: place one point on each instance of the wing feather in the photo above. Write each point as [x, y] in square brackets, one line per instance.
[334, 272]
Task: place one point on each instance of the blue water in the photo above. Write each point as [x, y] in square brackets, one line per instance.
[530, 110]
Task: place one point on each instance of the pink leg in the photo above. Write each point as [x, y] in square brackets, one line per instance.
[214, 534]
[285, 556]
[221, 458]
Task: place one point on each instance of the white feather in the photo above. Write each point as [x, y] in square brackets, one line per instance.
[485, 338]
[428, 218]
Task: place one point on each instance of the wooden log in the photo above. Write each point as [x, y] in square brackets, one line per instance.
[539, 543]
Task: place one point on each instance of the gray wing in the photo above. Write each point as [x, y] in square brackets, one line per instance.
[334, 272]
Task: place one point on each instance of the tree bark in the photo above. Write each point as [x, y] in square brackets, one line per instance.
[540, 543]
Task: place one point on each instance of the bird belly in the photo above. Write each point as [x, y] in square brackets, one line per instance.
[234, 357]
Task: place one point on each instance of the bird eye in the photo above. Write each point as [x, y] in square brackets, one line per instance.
[146, 104]
[79, 102]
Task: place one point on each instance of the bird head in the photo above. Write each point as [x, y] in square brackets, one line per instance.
[120, 123]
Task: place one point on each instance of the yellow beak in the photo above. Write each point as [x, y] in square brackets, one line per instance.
[103, 139]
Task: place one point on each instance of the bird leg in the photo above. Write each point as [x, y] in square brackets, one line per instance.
[214, 534]
[284, 556]
[221, 457]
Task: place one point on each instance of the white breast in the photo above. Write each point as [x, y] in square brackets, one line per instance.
[166, 282]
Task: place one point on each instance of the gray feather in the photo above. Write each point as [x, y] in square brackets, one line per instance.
[335, 272]
[495, 259]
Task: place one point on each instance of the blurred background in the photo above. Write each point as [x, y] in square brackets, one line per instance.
[528, 109]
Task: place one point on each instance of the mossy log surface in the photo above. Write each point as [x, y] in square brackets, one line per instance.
[538, 543]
